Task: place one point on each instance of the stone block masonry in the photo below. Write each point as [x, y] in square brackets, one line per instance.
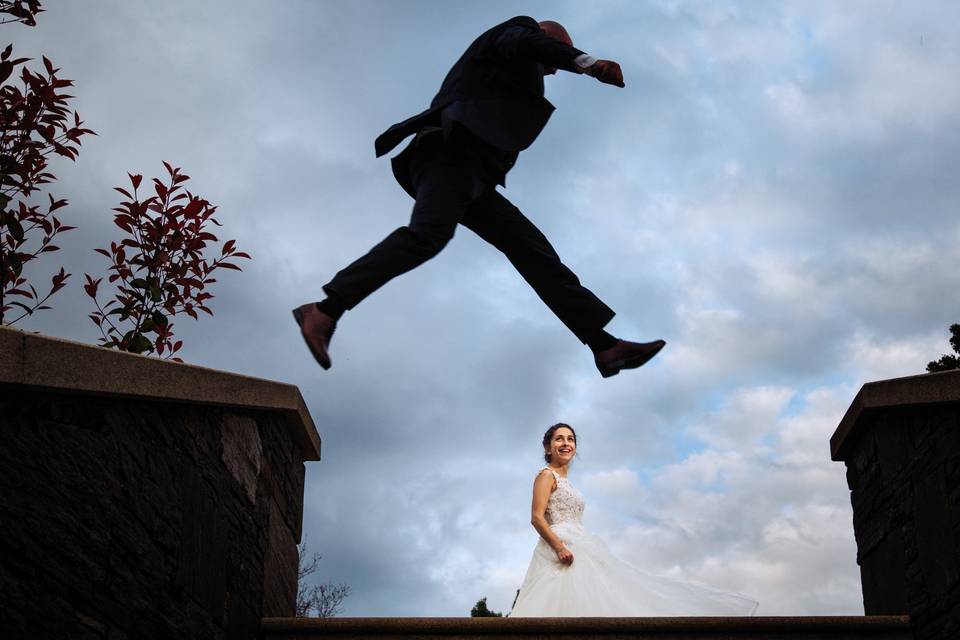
[144, 499]
[900, 440]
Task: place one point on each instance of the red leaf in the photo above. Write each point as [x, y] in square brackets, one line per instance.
[227, 265]
[49, 247]
[103, 251]
[22, 306]
[192, 209]
[59, 280]
[228, 247]
[241, 254]
[135, 180]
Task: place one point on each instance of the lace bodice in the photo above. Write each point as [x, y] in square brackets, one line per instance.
[565, 503]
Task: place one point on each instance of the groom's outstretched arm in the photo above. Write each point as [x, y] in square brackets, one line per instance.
[526, 40]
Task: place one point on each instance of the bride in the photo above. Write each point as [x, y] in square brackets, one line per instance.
[573, 574]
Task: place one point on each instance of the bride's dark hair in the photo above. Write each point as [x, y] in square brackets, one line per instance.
[548, 436]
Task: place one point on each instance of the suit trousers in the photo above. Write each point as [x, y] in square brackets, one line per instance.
[455, 185]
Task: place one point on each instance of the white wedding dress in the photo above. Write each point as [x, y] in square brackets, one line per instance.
[598, 583]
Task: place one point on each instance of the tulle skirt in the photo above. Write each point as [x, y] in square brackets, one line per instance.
[600, 584]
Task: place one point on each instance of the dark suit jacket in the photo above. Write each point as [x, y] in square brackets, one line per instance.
[495, 90]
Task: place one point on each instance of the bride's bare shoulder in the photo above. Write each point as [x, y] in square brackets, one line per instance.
[546, 474]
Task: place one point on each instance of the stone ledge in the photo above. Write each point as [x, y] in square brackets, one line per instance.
[585, 627]
[38, 361]
[927, 388]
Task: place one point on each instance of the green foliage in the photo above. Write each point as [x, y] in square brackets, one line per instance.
[948, 362]
[480, 610]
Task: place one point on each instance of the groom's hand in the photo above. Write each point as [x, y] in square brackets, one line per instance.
[607, 72]
[565, 556]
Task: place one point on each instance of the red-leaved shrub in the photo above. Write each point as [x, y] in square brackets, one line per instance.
[165, 272]
[34, 122]
[23, 11]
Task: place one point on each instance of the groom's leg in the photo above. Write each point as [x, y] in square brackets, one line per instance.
[499, 222]
[444, 189]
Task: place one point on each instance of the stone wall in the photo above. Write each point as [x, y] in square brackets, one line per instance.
[901, 444]
[126, 516]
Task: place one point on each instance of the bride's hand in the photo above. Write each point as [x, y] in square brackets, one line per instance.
[565, 556]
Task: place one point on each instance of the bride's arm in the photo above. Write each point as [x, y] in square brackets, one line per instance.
[542, 488]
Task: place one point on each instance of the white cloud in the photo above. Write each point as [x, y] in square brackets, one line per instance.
[881, 359]
[617, 481]
[747, 415]
[772, 521]
[886, 85]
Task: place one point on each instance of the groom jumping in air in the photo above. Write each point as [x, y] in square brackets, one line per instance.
[489, 109]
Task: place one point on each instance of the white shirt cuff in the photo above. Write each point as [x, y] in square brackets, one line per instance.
[583, 61]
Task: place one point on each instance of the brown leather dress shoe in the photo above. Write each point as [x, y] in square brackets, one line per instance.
[317, 329]
[626, 355]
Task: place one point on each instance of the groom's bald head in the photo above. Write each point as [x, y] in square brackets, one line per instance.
[556, 31]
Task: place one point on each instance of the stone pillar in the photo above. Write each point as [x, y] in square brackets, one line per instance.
[142, 498]
[900, 440]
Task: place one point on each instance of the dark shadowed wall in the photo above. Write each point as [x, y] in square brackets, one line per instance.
[901, 444]
[128, 516]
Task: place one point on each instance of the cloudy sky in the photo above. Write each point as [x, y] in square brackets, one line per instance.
[773, 193]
